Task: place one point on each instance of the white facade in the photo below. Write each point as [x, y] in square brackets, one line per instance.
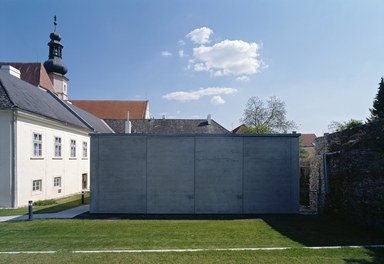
[32, 165]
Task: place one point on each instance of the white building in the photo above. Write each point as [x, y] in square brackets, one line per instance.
[44, 143]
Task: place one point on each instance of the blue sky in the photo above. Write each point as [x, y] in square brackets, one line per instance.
[194, 58]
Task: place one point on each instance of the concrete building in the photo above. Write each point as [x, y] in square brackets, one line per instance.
[194, 174]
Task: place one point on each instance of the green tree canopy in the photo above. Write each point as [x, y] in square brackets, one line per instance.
[340, 126]
[269, 117]
[377, 112]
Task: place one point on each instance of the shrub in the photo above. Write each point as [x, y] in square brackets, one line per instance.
[44, 202]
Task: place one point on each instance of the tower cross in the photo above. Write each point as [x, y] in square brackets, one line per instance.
[54, 22]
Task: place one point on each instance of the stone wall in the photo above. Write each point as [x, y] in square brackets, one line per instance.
[348, 174]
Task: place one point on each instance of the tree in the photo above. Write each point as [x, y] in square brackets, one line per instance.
[377, 112]
[340, 126]
[266, 118]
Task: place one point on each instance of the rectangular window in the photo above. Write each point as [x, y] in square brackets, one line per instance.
[73, 148]
[57, 182]
[36, 186]
[37, 145]
[85, 149]
[57, 146]
[84, 181]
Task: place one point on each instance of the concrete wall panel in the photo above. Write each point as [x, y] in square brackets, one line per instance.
[267, 175]
[218, 170]
[170, 175]
[120, 174]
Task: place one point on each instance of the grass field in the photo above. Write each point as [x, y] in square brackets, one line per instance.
[65, 236]
[59, 205]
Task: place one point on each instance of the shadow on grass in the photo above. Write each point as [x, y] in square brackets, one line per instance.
[323, 230]
[61, 206]
[377, 256]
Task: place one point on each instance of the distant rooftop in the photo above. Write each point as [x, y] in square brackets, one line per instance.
[307, 140]
[109, 109]
[169, 126]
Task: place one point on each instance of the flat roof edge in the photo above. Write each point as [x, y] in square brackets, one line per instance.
[296, 135]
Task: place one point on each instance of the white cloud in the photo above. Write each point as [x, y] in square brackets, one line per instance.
[196, 95]
[182, 96]
[166, 53]
[228, 57]
[200, 35]
[243, 78]
[215, 90]
[181, 53]
[217, 100]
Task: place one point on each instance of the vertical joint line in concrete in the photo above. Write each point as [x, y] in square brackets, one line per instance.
[242, 179]
[146, 174]
[194, 174]
[97, 172]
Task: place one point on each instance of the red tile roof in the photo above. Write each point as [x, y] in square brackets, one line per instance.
[307, 139]
[113, 109]
[240, 129]
[33, 73]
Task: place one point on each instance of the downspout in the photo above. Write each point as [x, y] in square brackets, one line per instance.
[13, 159]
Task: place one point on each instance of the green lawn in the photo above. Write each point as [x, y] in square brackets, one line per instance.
[60, 205]
[66, 235]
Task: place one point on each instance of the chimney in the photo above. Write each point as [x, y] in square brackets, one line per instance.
[128, 125]
[209, 119]
[11, 70]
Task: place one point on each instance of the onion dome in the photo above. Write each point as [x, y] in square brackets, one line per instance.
[54, 63]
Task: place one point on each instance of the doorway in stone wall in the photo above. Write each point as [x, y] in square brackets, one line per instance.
[84, 181]
[305, 171]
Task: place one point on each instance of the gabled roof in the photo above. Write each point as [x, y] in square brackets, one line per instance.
[307, 140]
[18, 94]
[169, 126]
[109, 109]
[240, 129]
[33, 73]
[96, 123]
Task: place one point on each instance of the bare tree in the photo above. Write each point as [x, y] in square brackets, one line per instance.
[269, 117]
[340, 126]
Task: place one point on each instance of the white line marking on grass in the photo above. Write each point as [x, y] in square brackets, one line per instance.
[175, 250]
[189, 250]
[216, 249]
[29, 252]
[339, 247]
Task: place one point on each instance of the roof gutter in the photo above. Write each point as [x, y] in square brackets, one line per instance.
[71, 110]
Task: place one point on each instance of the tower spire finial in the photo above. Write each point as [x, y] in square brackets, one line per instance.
[54, 22]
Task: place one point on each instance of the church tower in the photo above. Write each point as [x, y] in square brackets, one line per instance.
[55, 66]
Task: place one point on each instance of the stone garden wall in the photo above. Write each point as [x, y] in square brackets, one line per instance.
[347, 175]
